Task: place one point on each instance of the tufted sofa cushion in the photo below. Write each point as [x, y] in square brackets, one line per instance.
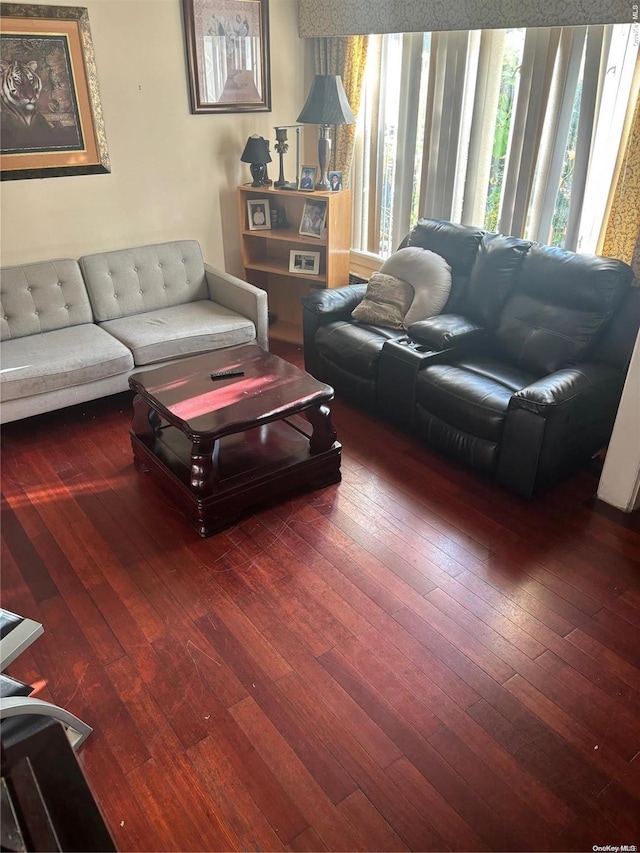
[42, 297]
[493, 276]
[560, 304]
[142, 279]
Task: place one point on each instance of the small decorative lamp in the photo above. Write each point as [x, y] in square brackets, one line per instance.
[327, 104]
[256, 152]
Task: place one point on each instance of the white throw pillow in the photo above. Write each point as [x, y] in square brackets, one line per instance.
[428, 274]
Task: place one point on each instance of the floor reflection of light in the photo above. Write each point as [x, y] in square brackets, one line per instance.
[35, 494]
[38, 686]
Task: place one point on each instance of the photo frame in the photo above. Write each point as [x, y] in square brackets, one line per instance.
[335, 181]
[48, 54]
[259, 214]
[307, 178]
[313, 217]
[227, 45]
[304, 263]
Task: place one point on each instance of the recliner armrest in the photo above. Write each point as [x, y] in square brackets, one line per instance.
[556, 423]
[320, 307]
[564, 387]
[445, 331]
[339, 301]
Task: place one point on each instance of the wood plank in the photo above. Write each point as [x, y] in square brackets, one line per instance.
[307, 840]
[407, 704]
[572, 731]
[502, 764]
[368, 734]
[233, 802]
[312, 752]
[425, 758]
[300, 784]
[496, 793]
[621, 734]
[34, 570]
[367, 821]
[414, 828]
[424, 796]
[128, 819]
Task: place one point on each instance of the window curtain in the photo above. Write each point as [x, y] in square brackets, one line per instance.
[622, 230]
[346, 56]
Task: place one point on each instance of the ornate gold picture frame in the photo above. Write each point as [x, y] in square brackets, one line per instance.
[50, 111]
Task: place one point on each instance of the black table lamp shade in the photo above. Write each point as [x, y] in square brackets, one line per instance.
[256, 152]
[327, 104]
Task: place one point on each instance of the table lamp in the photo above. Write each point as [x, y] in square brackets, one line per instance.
[256, 153]
[327, 104]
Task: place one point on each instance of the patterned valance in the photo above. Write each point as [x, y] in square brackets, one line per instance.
[355, 17]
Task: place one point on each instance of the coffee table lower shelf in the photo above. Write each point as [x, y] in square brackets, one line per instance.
[253, 467]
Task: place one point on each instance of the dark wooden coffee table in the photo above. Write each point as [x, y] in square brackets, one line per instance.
[221, 446]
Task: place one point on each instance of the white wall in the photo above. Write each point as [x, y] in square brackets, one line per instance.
[620, 480]
[174, 174]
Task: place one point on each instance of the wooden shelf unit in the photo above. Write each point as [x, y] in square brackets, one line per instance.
[265, 254]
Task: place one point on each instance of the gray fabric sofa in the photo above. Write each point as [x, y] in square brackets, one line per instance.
[73, 331]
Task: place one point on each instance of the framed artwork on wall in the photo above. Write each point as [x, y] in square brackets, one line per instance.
[51, 122]
[228, 64]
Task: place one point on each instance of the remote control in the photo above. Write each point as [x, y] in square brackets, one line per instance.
[223, 374]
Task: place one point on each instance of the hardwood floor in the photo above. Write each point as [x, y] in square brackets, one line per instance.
[412, 659]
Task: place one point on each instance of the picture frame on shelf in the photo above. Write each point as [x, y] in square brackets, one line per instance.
[278, 216]
[259, 214]
[304, 263]
[307, 178]
[47, 53]
[228, 62]
[335, 181]
[313, 219]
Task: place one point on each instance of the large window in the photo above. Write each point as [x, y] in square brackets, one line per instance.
[513, 130]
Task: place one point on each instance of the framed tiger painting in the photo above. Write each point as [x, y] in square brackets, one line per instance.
[51, 122]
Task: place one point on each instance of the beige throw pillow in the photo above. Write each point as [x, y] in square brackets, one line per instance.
[385, 303]
[428, 274]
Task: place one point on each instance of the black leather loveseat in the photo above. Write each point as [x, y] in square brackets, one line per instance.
[521, 374]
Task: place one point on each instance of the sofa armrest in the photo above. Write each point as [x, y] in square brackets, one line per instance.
[445, 331]
[241, 297]
[556, 423]
[334, 304]
[572, 386]
[325, 306]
